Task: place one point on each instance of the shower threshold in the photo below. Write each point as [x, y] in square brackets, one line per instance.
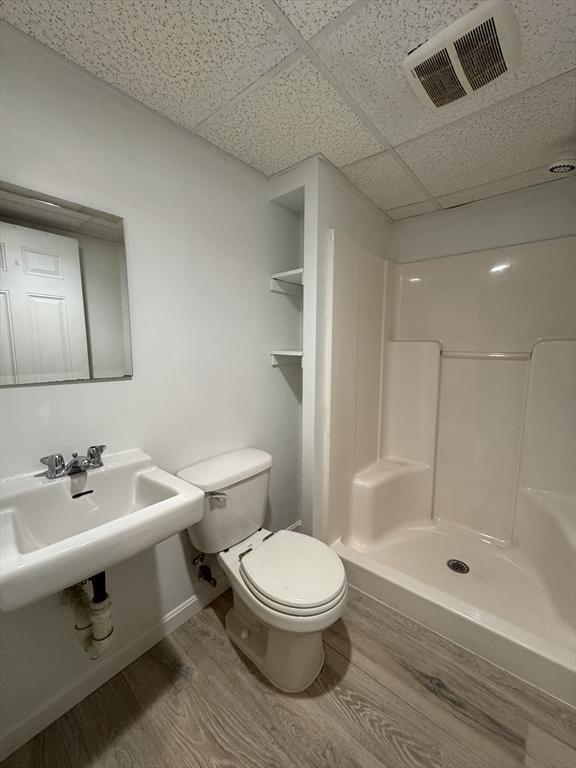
[499, 608]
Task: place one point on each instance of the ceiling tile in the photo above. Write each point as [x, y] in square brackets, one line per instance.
[509, 184]
[290, 117]
[366, 53]
[310, 16]
[509, 138]
[384, 181]
[412, 210]
[183, 58]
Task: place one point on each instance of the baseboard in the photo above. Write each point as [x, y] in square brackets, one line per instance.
[293, 526]
[107, 667]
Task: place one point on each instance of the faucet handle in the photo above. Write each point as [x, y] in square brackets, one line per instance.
[94, 455]
[55, 463]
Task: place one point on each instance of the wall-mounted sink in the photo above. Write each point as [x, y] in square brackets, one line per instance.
[54, 533]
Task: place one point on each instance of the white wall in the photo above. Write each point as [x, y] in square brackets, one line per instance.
[330, 202]
[538, 213]
[201, 240]
[297, 190]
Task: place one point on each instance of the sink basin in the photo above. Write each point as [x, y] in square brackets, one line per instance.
[54, 533]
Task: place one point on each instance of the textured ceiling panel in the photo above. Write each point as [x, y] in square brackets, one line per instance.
[509, 138]
[183, 58]
[412, 210]
[234, 72]
[509, 184]
[293, 116]
[366, 53]
[384, 181]
[310, 16]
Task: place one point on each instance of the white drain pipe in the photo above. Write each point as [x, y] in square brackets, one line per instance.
[92, 621]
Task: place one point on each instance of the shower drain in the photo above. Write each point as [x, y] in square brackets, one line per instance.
[459, 566]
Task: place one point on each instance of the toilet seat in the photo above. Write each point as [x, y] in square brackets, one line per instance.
[294, 574]
[274, 614]
[290, 610]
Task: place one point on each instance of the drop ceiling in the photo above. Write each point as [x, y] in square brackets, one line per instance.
[273, 82]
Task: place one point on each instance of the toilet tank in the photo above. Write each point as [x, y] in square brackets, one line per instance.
[236, 488]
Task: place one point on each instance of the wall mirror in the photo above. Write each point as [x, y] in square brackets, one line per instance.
[63, 291]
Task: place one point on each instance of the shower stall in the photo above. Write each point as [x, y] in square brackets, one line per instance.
[451, 459]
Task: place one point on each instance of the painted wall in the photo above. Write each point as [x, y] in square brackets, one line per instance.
[201, 241]
[529, 215]
[328, 202]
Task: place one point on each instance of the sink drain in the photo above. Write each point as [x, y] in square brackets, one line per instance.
[458, 566]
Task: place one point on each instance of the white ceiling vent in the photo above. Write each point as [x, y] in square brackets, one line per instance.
[467, 55]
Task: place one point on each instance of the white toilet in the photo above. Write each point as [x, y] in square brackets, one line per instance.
[287, 587]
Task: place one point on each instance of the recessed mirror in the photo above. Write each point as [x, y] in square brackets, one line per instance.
[63, 291]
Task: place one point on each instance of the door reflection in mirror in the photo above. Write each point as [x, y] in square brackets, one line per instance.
[63, 291]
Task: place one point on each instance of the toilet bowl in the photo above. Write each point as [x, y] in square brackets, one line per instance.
[287, 587]
[281, 607]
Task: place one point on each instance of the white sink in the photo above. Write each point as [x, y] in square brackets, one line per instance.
[54, 533]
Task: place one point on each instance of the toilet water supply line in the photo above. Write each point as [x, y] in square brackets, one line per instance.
[92, 618]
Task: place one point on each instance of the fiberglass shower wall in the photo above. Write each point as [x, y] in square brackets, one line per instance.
[496, 315]
[452, 399]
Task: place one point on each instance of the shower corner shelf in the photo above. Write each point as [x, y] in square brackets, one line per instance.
[286, 357]
[290, 281]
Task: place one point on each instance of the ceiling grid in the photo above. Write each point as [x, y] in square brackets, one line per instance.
[272, 82]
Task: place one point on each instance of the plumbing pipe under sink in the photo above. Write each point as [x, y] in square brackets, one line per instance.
[92, 618]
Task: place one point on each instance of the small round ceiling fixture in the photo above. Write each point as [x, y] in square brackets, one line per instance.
[562, 165]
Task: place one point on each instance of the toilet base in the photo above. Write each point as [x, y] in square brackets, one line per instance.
[291, 661]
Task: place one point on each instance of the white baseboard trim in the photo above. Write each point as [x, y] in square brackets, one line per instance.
[107, 667]
[294, 525]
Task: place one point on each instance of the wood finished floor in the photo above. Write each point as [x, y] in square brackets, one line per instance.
[392, 694]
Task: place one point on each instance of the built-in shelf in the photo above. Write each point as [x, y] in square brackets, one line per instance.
[290, 281]
[286, 356]
[291, 276]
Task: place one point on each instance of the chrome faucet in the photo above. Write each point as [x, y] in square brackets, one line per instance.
[57, 467]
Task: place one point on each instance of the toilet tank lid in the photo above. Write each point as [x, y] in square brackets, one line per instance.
[227, 469]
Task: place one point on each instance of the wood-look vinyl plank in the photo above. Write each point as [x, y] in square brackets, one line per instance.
[54, 747]
[103, 731]
[113, 721]
[392, 694]
[544, 751]
[200, 726]
[353, 703]
[385, 723]
[475, 689]
[298, 726]
[427, 693]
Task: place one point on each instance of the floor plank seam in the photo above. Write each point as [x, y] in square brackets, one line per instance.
[408, 703]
